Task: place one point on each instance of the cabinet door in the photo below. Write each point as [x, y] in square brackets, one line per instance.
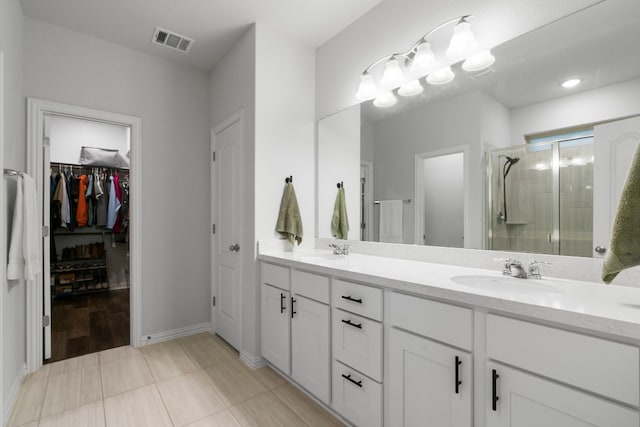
[429, 383]
[525, 400]
[310, 346]
[275, 327]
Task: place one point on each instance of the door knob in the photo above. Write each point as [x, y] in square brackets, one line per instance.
[234, 248]
[600, 249]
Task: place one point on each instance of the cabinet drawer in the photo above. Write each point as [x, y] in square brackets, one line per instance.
[276, 275]
[357, 341]
[604, 367]
[310, 285]
[356, 397]
[359, 299]
[442, 322]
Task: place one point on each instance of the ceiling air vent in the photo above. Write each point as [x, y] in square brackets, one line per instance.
[171, 40]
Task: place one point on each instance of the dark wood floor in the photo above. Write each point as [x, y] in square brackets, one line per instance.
[89, 323]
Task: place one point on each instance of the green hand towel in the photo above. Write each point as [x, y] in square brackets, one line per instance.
[289, 222]
[340, 221]
[624, 249]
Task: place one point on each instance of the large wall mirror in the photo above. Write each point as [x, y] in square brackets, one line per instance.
[507, 159]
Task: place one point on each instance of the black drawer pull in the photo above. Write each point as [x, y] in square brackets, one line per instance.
[282, 306]
[458, 382]
[348, 377]
[350, 298]
[293, 300]
[494, 389]
[350, 323]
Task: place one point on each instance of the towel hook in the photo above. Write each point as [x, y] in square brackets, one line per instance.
[341, 184]
[289, 179]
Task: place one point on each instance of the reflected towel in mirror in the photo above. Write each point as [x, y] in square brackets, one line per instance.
[340, 220]
[391, 221]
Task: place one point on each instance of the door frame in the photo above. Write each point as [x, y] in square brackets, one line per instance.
[419, 189]
[36, 111]
[237, 116]
[3, 229]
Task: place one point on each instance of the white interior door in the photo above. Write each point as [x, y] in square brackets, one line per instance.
[614, 146]
[227, 147]
[46, 249]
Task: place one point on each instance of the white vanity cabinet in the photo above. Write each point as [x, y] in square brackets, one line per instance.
[357, 352]
[310, 334]
[275, 330]
[429, 380]
[558, 378]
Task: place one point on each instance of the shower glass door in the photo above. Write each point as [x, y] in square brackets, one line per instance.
[540, 196]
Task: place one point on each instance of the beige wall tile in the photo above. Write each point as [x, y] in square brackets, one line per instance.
[189, 397]
[124, 374]
[137, 408]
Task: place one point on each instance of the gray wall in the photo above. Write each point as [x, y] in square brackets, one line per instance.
[13, 340]
[173, 103]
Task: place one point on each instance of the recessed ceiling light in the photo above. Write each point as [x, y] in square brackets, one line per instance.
[568, 84]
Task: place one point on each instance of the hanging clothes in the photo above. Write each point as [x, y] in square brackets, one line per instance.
[114, 203]
[117, 227]
[82, 210]
[72, 192]
[102, 201]
[62, 197]
[90, 205]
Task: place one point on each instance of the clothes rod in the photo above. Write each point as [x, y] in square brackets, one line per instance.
[377, 202]
[13, 172]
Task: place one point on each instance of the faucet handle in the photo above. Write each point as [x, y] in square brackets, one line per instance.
[507, 265]
[534, 268]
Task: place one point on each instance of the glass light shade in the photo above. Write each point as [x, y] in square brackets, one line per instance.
[462, 42]
[385, 99]
[424, 60]
[411, 88]
[367, 89]
[392, 76]
[479, 61]
[441, 77]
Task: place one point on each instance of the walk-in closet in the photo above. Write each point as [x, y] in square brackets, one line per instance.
[88, 193]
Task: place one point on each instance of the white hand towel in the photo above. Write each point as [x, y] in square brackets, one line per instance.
[391, 221]
[15, 267]
[31, 230]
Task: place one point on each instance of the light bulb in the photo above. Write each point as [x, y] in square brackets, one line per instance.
[568, 84]
[392, 76]
[441, 77]
[462, 42]
[479, 61]
[385, 99]
[411, 88]
[424, 61]
[367, 89]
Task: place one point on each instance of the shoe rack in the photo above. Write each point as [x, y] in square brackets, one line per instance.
[82, 269]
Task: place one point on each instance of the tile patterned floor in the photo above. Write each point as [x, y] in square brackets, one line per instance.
[196, 381]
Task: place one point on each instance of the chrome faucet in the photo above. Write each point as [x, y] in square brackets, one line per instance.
[514, 268]
[339, 249]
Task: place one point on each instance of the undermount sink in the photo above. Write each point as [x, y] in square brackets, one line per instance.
[510, 285]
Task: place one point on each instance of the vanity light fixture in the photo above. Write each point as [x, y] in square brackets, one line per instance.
[571, 83]
[404, 70]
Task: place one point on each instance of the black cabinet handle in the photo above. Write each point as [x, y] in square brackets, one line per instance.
[350, 323]
[348, 377]
[458, 382]
[494, 391]
[293, 300]
[282, 306]
[350, 298]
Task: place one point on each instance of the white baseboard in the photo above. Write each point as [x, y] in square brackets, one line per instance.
[148, 339]
[254, 362]
[10, 398]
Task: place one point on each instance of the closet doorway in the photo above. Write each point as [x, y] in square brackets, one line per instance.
[87, 169]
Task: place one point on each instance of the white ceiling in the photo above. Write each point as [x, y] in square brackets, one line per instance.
[214, 24]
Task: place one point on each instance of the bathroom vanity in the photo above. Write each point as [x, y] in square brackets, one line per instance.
[393, 342]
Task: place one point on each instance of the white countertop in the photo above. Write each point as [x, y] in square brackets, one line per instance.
[607, 309]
